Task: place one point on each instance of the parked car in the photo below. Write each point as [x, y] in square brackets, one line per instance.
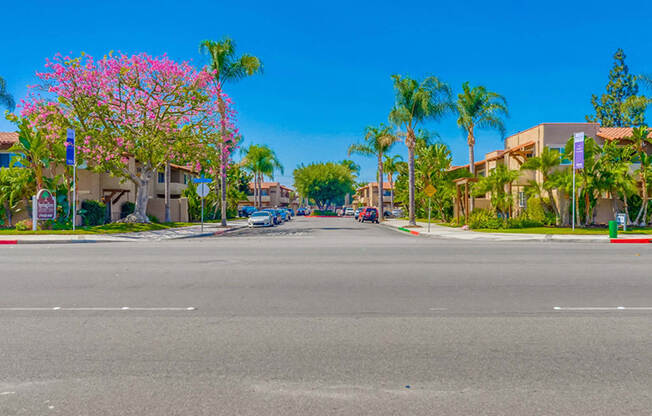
[246, 211]
[349, 212]
[276, 215]
[288, 212]
[261, 219]
[369, 214]
[285, 216]
[398, 213]
[388, 213]
[291, 212]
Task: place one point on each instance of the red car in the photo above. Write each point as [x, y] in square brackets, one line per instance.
[368, 214]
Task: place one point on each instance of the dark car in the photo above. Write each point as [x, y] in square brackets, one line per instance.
[369, 214]
[301, 211]
[246, 211]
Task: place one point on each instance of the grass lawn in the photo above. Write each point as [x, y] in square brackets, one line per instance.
[567, 230]
[113, 228]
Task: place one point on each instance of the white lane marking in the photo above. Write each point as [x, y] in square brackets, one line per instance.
[4, 393]
[123, 308]
[603, 308]
[438, 309]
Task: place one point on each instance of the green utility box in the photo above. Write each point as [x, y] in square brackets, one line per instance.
[613, 229]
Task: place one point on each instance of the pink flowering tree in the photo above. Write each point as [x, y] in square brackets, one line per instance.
[132, 114]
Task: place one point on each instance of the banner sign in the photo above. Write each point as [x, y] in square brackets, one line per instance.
[46, 205]
[578, 151]
[70, 147]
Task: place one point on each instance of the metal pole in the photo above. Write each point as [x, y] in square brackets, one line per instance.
[573, 184]
[202, 214]
[429, 199]
[74, 193]
[34, 213]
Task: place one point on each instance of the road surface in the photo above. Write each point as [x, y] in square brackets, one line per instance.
[325, 317]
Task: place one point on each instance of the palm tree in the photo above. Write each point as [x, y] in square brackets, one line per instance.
[614, 176]
[545, 164]
[261, 161]
[6, 99]
[640, 140]
[228, 67]
[415, 103]
[479, 108]
[390, 166]
[377, 142]
[495, 184]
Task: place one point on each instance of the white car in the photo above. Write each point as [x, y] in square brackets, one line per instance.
[349, 212]
[261, 219]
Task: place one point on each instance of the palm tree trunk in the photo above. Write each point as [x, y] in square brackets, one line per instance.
[626, 208]
[471, 141]
[381, 208]
[643, 211]
[391, 191]
[411, 179]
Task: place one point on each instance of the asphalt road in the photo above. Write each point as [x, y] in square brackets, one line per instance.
[325, 317]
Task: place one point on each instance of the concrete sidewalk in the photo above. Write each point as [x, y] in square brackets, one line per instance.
[460, 234]
[156, 235]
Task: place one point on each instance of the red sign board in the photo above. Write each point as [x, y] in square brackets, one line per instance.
[46, 205]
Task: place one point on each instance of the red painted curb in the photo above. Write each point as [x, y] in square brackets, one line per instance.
[414, 232]
[323, 216]
[8, 241]
[632, 240]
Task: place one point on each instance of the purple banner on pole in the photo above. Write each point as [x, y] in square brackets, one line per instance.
[578, 151]
[70, 147]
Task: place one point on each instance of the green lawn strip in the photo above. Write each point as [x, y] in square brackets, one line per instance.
[113, 228]
[566, 230]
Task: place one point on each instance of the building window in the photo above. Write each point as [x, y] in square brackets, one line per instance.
[522, 200]
[185, 179]
[563, 161]
[387, 192]
[5, 158]
[264, 192]
[161, 177]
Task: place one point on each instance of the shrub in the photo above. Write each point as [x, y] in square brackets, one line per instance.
[93, 213]
[322, 213]
[24, 225]
[153, 219]
[127, 208]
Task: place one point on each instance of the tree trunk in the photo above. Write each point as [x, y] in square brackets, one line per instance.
[381, 208]
[8, 214]
[626, 208]
[411, 179]
[643, 211]
[167, 192]
[391, 191]
[471, 142]
[142, 196]
[223, 175]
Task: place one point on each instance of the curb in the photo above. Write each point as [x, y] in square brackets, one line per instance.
[406, 230]
[631, 240]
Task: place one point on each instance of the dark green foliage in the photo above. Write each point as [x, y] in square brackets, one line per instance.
[127, 208]
[611, 109]
[486, 219]
[93, 212]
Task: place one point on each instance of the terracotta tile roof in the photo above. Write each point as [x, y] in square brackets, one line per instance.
[8, 138]
[386, 185]
[616, 133]
[187, 169]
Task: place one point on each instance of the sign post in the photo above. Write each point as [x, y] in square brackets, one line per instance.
[621, 219]
[578, 163]
[202, 191]
[430, 191]
[71, 160]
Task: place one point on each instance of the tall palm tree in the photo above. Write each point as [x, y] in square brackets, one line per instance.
[390, 166]
[6, 99]
[228, 67]
[479, 108]
[262, 162]
[417, 102]
[640, 141]
[377, 141]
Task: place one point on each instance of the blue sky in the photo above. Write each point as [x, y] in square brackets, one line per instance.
[328, 64]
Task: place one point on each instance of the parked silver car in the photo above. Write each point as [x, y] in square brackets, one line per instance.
[261, 219]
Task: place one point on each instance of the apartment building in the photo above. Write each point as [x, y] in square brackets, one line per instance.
[530, 143]
[273, 195]
[367, 196]
[114, 192]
